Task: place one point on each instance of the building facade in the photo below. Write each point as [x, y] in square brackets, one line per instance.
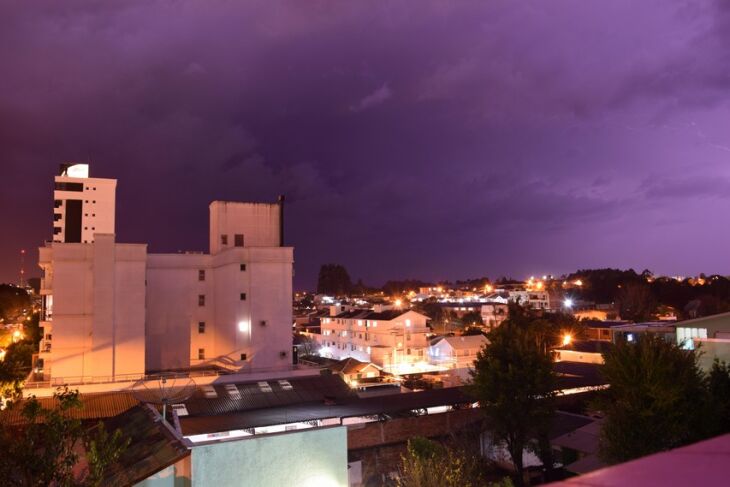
[392, 339]
[112, 310]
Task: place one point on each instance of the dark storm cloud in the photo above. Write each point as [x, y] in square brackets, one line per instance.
[433, 140]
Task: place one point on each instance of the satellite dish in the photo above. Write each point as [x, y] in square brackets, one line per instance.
[164, 391]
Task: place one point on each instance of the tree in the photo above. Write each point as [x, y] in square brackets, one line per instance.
[307, 345]
[655, 400]
[515, 384]
[718, 387]
[14, 302]
[430, 464]
[333, 280]
[14, 369]
[472, 318]
[102, 450]
[635, 302]
[44, 448]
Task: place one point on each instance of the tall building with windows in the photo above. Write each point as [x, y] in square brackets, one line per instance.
[112, 311]
[83, 206]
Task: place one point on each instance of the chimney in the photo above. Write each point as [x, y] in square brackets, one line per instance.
[281, 220]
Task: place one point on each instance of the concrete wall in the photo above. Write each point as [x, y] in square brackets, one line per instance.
[98, 308]
[172, 308]
[257, 222]
[306, 458]
[232, 325]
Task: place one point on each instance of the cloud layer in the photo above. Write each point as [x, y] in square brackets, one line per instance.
[444, 141]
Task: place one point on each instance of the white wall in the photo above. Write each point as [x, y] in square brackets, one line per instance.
[303, 458]
[257, 222]
[98, 308]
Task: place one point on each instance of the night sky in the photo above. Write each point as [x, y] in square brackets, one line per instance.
[432, 140]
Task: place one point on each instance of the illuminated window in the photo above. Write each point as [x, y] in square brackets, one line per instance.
[686, 336]
[408, 322]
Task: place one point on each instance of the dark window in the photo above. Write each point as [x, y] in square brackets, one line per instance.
[70, 187]
[201, 300]
[243, 267]
[72, 230]
[57, 216]
[238, 240]
[224, 239]
[262, 322]
[243, 296]
[201, 275]
[243, 356]
[201, 327]
[56, 230]
[201, 354]
[57, 203]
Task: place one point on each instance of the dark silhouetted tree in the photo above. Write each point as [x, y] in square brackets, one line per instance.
[635, 302]
[514, 381]
[655, 400]
[333, 280]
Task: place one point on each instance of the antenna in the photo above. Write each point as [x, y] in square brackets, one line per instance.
[22, 267]
[163, 391]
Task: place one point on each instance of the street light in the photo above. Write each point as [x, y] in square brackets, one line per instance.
[568, 303]
[567, 338]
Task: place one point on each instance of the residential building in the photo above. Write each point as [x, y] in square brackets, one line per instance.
[112, 310]
[393, 339]
[711, 332]
[456, 352]
[600, 330]
[353, 371]
[82, 206]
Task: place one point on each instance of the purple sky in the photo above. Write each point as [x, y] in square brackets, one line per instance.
[413, 139]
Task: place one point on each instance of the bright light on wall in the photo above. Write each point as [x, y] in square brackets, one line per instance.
[244, 326]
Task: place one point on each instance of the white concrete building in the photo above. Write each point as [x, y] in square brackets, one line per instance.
[83, 206]
[112, 310]
[393, 339]
[457, 352]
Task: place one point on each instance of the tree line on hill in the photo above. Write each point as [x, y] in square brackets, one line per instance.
[638, 296]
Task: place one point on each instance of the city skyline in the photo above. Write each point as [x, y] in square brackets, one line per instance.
[451, 142]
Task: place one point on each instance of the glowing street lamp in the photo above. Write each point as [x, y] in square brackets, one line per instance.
[568, 303]
[567, 338]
